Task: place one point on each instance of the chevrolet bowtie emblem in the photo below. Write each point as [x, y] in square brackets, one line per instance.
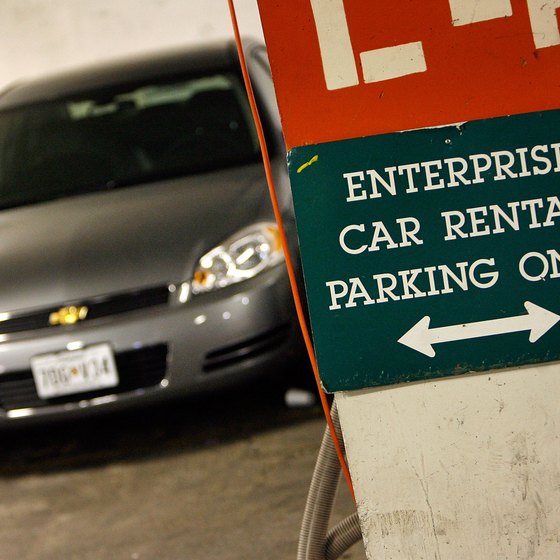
[68, 315]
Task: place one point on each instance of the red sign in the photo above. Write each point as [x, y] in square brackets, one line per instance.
[346, 69]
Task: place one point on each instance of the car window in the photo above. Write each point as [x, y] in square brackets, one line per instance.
[130, 135]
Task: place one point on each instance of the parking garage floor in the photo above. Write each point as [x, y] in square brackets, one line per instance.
[207, 478]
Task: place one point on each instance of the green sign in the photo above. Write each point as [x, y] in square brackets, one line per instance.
[431, 252]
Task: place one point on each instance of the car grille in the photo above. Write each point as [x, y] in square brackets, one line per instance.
[230, 355]
[97, 307]
[138, 369]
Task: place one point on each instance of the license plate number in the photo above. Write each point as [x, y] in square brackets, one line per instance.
[74, 371]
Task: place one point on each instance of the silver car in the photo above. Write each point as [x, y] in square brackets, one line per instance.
[139, 257]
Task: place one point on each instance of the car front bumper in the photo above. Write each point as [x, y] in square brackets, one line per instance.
[164, 351]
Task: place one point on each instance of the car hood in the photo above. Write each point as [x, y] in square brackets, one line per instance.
[114, 241]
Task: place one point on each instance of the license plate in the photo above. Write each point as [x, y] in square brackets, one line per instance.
[75, 371]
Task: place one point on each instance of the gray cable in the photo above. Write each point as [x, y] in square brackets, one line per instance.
[341, 537]
[314, 543]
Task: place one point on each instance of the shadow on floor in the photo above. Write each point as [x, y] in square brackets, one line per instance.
[141, 434]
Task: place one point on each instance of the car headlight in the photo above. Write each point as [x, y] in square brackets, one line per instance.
[240, 257]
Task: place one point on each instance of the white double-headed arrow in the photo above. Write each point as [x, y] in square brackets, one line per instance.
[537, 320]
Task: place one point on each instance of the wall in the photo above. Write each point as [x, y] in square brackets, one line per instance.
[39, 36]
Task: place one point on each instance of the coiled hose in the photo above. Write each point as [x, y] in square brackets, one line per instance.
[316, 542]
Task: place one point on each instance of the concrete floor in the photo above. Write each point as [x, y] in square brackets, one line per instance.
[213, 478]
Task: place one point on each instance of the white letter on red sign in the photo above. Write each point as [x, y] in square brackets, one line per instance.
[393, 62]
[465, 12]
[339, 65]
[337, 54]
[544, 22]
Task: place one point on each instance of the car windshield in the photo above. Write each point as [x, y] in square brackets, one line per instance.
[131, 135]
